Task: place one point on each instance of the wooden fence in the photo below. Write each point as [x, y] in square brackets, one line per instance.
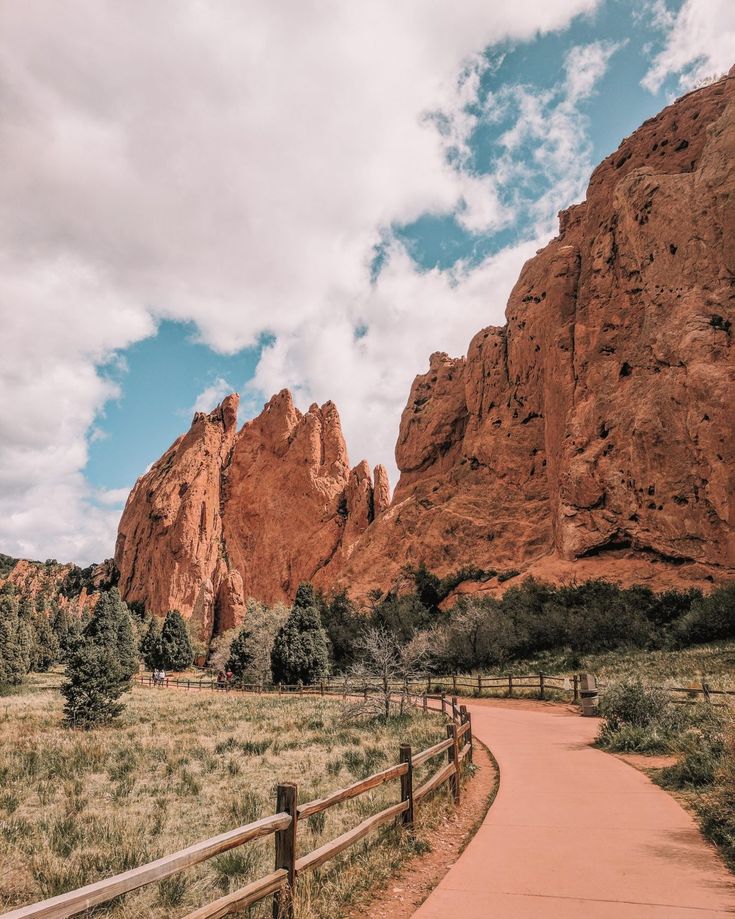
[542, 685]
[283, 826]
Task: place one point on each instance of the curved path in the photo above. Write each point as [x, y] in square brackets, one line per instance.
[576, 833]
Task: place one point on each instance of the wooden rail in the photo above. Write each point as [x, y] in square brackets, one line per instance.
[283, 825]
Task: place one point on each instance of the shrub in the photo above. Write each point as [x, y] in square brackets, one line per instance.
[176, 649]
[630, 702]
[709, 618]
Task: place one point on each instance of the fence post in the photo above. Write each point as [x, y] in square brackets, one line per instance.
[365, 692]
[454, 683]
[510, 686]
[541, 686]
[453, 757]
[444, 702]
[479, 684]
[575, 689]
[467, 719]
[301, 688]
[286, 802]
[321, 686]
[455, 707]
[705, 691]
[424, 703]
[428, 683]
[407, 784]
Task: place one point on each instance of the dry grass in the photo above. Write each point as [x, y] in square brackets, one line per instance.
[714, 662]
[179, 767]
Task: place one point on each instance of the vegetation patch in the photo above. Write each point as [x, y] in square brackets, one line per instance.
[77, 806]
[641, 719]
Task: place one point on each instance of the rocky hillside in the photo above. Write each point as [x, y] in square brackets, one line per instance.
[590, 436]
[64, 585]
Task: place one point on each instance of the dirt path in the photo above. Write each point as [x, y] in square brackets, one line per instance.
[576, 833]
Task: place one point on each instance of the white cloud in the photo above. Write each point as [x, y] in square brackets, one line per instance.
[230, 164]
[210, 397]
[699, 45]
[116, 496]
[410, 314]
[585, 65]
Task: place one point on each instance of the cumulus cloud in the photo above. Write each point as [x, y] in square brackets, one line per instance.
[699, 43]
[407, 314]
[231, 164]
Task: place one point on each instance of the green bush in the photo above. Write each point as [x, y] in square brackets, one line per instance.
[630, 702]
[634, 738]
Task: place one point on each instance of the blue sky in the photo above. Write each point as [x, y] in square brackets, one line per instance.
[162, 376]
[292, 193]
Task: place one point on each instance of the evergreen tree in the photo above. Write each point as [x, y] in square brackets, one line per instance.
[301, 648]
[93, 686]
[100, 665]
[13, 662]
[150, 645]
[111, 627]
[45, 643]
[25, 635]
[176, 650]
[60, 624]
[242, 655]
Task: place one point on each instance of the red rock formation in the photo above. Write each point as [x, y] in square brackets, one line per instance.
[592, 434]
[64, 585]
[223, 515]
[597, 423]
[170, 548]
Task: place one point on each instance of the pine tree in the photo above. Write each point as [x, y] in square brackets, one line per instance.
[93, 686]
[111, 627]
[26, 647]
[45, 643]
[242, 655]
[60, 624]
[100, 665]
[176, 650]
[301, 648]
[150, 645]
[13, 665]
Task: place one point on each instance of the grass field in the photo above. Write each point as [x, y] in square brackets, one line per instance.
[179, 767]
[713, 662]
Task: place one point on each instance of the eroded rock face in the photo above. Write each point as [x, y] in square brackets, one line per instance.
[592, 433]
[226, 515]
[597, 423]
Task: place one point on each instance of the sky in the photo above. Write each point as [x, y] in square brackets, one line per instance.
[206, 196]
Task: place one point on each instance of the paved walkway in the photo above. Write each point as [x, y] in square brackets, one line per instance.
[576, 833]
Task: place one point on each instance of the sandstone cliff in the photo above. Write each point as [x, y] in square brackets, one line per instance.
[53, 584]
[595, 427]
[225, 515]
[590, 436]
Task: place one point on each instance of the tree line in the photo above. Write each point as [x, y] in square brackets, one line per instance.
[321, 634]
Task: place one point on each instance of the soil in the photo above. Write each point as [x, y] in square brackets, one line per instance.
[408, 889]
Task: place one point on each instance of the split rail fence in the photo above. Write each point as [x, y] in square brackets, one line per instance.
[283, 826]
[542, 686]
